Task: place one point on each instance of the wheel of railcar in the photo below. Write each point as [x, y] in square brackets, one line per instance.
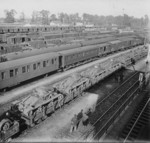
[30, 113]
[74, 93]
[5, 125]
[44, 113]
[38, 112]
[80, 90]
[60, 100]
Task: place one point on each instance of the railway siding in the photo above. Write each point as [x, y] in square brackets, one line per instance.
[139, 120]
[106, 110]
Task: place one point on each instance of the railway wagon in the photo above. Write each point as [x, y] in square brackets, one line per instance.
[18, 39]
[33, 52]
[24, 69]
[96, 41]
[12, 29]
[38, 44]
[71, 57]
[48, 36]
[21, 54]
[10, 48]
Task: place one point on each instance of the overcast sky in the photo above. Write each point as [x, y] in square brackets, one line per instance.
[136, 8]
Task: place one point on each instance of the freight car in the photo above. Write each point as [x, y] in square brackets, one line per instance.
[16, 71]
[41, 103]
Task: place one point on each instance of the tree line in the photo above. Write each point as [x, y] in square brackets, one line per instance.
[44, 17]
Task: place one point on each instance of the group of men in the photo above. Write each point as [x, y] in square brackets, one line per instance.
[80, 117]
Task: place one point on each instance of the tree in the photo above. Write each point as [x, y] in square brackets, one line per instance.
[22, 17]
[146, 20]
[10, 16]
[35, 17]
[45, 17]
[53, 17]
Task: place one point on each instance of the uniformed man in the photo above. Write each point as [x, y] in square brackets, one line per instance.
[141, 76]
[79, 117]
[73, 124]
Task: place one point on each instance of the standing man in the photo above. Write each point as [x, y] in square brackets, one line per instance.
[141, 76]
[73, 124]
[79, 117]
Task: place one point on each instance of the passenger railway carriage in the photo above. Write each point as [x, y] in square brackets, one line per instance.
[24, 69]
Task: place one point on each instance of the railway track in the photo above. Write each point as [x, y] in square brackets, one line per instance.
[139, 120]
[111, 107]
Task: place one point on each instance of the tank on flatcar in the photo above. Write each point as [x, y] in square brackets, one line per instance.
[37, 105]
[72, 86]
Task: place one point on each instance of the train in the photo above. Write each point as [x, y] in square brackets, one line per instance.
[10, 42]
[16, 71]
[13, 29]
[32, 51]
[42, 102]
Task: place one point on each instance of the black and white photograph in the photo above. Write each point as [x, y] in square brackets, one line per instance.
[75, 71]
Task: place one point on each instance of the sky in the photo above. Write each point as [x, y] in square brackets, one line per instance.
[136, 8]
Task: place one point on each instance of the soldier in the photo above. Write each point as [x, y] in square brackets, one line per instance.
[147, 76]
[73, 124]
[85, 119]
[141, 76]
[79, 117]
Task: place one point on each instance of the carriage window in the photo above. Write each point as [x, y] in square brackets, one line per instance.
[47, 62]
[3, 75]
[52, 61]
[34, 66]
[44, 63]
[28, 68]
[16, 71]
[38, 65]
[11, 73]
[23, 69]
[104, 48]
[23, 39]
